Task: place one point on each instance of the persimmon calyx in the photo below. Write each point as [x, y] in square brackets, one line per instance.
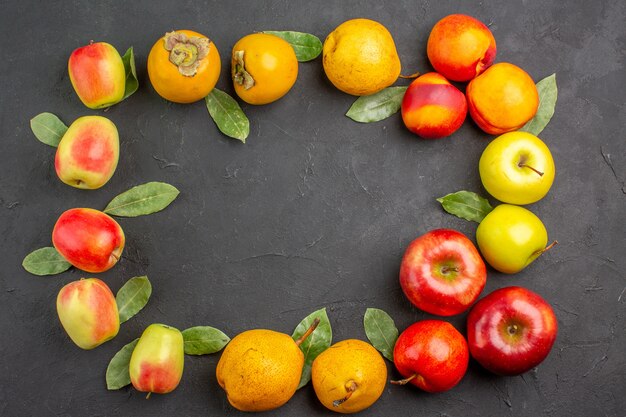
[240, 75]
[186, 52]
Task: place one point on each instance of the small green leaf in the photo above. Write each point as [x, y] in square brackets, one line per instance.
[227, 115]
[132, 297]
[378, 106]
[117, 374]
[548, 92]
[45, 261]
[48, 128]
[204, 340]
[143, 199]
[381, 331]
[466, 205]
[132, 84]
[306, 46]
[315, 344]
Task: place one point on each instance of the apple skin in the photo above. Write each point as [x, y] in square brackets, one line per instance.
[507, 168]
[510, 238]
[88, 239]
[442, 272]
[97, 74]
[156, 364]
[435, 352]
[88, 153]
[88, 312]
[511, 330]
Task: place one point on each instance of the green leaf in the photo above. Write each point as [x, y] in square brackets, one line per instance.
[466, 205]
[48, 128]
[316, 343]
[45, 261]
[227, 115]
[143, 199]
[204, 340]
[378, 106]
[132, 84]
[117, 374]
[381, 331]
[548, 92]
[306, 46]
[132, 297]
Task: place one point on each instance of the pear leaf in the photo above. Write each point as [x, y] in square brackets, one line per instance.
[132, 297]
[45, 261]
[132, 84]
[306, 46]
[548, 92]
[316, 343]
[48, 128]
[378, 106]
[118, 375]
[466, 205]
[204, 340]
[381, 331]
[143, 199]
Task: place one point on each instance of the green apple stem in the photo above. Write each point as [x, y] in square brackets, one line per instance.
[403, 381]
[308, 332]
[523, 165]
[350, 387]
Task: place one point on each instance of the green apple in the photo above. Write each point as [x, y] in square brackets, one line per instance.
[511, 237]
[517, 168]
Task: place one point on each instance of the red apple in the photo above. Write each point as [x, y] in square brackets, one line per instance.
[88, 239]
[511, 330]
[442, 272]
[432, 355]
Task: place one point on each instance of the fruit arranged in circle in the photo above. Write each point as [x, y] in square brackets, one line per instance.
[517, 168]
[183, 66]
[349, 376]
[88, 239]
[442, 272]
[88, 153]
[432, 355]
[511, 330]
[264, 68]
[460, 47]
[432, 107]
[502, 99]
[511, 237]
[97, 74]
[360, 57]
[88, 312]
[157, 362]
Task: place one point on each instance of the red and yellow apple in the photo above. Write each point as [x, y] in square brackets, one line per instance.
[88, 312]
[87, 154]
[432, 107]
[156, 364]
[97, 74]
[442, 272]
[432, 355]
[460, 47]
[511, 330]
[88, 239]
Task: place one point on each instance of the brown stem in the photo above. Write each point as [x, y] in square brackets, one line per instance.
[446, 269]
[350, 388]
[521, 165]
[403, 381]
[550, 246]
[409, 77]
[308, 332]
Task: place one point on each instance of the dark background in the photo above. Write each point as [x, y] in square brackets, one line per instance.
[315, 210]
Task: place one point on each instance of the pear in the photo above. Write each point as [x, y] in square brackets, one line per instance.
[260, 369]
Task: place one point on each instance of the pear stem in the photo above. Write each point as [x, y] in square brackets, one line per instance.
[351, 388]
[308, 332]
[521, 165]
[550, 246]
[403, 381]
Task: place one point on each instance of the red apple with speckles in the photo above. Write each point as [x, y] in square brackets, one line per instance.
[156, 364]
[432, 355]
[511, 330]
[88, 153]
[88, 312]
[432, 108]
[442, 272]
[88, 239]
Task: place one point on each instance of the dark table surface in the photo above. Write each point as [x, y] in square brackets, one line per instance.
[315, 210]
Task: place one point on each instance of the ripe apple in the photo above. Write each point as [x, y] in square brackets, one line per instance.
[442, 272]
[511, 330]
[97, 74]
[88, 153]
[432, 355]
[156, 364]
[517, 168]
[88, 312]
[511, 237]
[88, 239]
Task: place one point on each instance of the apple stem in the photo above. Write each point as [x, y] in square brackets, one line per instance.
[403, 381]
[446, 269]
[350, 388]
[308, 332]
[148, 396]
[409, 77]
[91, 42]
[522, 165]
